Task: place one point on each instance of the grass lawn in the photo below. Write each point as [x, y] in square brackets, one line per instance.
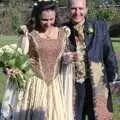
[2, 85]
[116, 107]
[12, 39]
[116, 44]
[7, 39]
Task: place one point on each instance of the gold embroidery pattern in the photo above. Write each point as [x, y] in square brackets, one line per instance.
[100, 92]
[48, 52]
[80, 44]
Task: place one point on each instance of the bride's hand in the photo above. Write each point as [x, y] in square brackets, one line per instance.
[8, 71]
[69, 57]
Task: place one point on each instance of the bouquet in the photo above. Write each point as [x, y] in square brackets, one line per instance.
[12, 57]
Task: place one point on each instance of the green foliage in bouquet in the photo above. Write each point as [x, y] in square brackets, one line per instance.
[12, 57]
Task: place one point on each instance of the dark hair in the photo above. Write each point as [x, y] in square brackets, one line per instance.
[34, 21]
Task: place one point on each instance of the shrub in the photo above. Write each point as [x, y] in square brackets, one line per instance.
[10, 20]
[15, 16]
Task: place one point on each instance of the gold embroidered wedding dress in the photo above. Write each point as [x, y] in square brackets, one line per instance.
[43, 98]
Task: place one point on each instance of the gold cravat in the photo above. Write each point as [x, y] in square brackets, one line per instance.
[80, 48]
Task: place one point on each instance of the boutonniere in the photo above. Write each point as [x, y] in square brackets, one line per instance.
[90, 30]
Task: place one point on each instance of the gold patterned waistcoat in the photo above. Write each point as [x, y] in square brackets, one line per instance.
[80, 72]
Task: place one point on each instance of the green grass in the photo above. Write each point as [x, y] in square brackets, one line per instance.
[115, 39]
[7, 39]
[116, 107]
[116, 44]
[13, 39]
[2, 85]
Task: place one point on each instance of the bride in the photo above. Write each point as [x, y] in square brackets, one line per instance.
[48, 94]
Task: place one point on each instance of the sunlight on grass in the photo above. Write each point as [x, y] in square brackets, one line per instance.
[8, 39]
[116, 44]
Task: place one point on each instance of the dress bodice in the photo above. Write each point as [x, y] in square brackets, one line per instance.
[45, 54]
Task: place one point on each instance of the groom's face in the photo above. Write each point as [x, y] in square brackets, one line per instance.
[78, 10]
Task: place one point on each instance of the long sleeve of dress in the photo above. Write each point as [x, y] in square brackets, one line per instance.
[24, 39]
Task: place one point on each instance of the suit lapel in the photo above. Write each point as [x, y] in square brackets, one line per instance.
[89, 35]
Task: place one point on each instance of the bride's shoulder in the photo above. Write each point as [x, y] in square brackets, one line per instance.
[66, 30]
[22, 29]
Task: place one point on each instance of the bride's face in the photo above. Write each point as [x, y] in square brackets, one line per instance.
[47, 19]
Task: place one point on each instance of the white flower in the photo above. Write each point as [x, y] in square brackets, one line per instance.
[90, 30]
[35, 4]
[10, 49]
[15, 47]
[7, 49]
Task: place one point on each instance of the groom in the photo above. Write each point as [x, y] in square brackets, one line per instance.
[95, 65]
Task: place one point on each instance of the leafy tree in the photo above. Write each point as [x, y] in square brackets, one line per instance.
[6, 2]
[98, 10]
[92, 8]
[117, 2]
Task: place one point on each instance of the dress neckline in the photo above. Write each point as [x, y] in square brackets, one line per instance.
[48, 38]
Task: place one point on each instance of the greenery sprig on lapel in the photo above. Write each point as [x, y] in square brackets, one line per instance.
[89, 28]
